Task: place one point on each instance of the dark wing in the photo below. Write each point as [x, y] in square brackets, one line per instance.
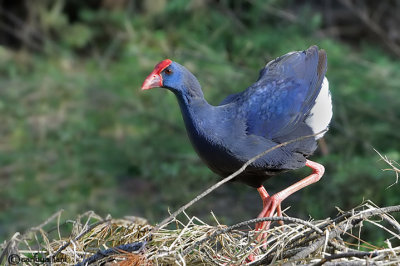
[279, 101]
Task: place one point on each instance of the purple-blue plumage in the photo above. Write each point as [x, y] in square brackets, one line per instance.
[276, 108]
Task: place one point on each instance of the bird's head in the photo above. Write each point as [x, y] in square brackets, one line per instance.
[175, 77]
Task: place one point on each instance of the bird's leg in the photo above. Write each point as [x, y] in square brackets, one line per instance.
[273, 202]
[259, 226]
[264, 197]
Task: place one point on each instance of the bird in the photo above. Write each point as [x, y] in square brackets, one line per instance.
[289, 100]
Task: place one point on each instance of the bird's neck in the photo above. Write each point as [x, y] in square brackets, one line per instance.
[195, 109]
[192, 103]
[190, 90]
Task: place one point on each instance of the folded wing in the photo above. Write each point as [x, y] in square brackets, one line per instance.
[282, 97]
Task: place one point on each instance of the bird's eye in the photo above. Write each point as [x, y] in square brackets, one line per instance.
[168, 71]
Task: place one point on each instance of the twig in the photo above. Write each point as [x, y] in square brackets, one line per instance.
[358, 254]
[268, 259]
[230, 177]
[392, 222]
[273, 219]
[377, 211]
[395, 167]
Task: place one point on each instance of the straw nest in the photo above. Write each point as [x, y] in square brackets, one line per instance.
[184, 240]
[90, 239]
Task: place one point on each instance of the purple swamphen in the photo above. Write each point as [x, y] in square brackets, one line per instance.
[289, 100]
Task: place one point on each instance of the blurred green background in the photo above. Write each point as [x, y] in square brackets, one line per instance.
[76, 132]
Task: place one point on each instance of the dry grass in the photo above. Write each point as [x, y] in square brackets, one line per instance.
[190, 241]
[184, 240]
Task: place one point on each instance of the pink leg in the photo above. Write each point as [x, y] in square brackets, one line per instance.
[264, 197]
[272, 203]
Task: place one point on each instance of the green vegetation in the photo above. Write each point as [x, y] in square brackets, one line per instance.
[76, 133]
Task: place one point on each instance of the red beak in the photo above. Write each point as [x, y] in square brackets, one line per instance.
[152, 81]
[155, 79]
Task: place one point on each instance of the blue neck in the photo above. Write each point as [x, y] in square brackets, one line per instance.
[193, 107]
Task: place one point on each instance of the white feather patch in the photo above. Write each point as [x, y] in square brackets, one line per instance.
[321, 114]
